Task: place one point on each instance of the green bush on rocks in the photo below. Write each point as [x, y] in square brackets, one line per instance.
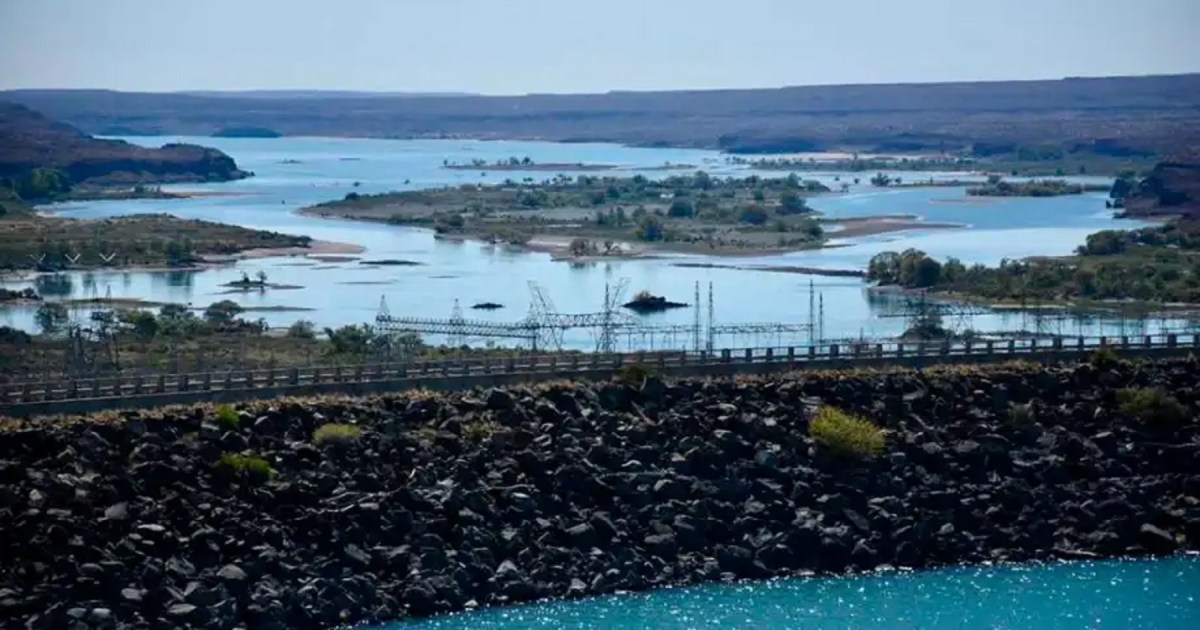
[1151, 405]
[636, 374]
[845, 434]
[334, 433]
[1104, 358]
[247, 464]
[479, 430]
[228, 417]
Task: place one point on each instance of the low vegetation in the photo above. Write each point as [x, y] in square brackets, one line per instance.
[689, 212]
[996, 187]
[51, 243]
[1157, 264]
[176, 339]
[1104, 358]
[228, 417]
[636, 374]
[845, 434]
[248, 465]
[479, 430]
[335, 434]
[1153, 406]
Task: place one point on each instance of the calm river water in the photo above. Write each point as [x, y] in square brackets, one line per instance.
[296, 172]
[1118, 595]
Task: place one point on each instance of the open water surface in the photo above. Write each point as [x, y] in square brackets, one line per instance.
[1159, 594]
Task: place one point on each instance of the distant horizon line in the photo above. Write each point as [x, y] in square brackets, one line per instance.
[348, 92]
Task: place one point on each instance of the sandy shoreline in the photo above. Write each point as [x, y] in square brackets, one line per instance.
[883, 224]
[314, 249]
[558, 246]
[797, 269]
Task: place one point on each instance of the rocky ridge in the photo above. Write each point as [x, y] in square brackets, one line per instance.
[1172, 188]
[29, 140]
[441, 502]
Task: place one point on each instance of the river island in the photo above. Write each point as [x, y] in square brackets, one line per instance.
[589, 217]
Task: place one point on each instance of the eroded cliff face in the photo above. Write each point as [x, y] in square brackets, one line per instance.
[1172, 188]
[29, 140]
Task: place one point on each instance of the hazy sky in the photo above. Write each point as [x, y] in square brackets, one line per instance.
[518, 46]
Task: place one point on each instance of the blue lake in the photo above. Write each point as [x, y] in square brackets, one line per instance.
[1129, 594]
[297, 172]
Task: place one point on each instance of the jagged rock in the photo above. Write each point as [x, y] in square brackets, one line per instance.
[232, 573]
[581, 490]
[734, 559]
[1156, 540]
[582, 535]
[500, 399]
[662, 545]
[117, 511]
[578, 587]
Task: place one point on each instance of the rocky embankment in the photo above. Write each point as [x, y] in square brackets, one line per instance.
[443, 502]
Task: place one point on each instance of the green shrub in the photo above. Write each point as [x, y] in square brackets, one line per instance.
[1151, 405]
[1104, 358]
[845, 434]
[479, 430]
[635, 374]
[336, 434]
[249, 464]
[302, 329]
[425, 435]
[228, 418]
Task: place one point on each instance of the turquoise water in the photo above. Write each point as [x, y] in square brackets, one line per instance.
[1130, 594]
[297, 172]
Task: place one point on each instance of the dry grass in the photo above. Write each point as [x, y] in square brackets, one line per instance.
[425, 435]
[846, 434]
[335, 433]
[421, 393]
[480, 430]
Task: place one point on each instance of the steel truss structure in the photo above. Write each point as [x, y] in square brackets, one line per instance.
[544, 327]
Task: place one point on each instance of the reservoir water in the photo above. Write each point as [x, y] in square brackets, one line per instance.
[1126, 594]
[296, 172]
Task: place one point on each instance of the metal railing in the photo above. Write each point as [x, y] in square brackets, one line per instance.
[566, 365]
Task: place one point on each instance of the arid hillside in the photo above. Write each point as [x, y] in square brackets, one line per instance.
[1155, 115]
[29, 140]
[1172, 188]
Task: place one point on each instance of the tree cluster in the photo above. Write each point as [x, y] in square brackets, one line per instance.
[1160, 264]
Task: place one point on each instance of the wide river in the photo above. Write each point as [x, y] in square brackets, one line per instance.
[297, 172]
[1118, 595]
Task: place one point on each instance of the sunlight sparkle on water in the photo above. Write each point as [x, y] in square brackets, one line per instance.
[1051, 596]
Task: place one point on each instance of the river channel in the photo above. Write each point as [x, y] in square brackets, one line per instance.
[292, 173]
